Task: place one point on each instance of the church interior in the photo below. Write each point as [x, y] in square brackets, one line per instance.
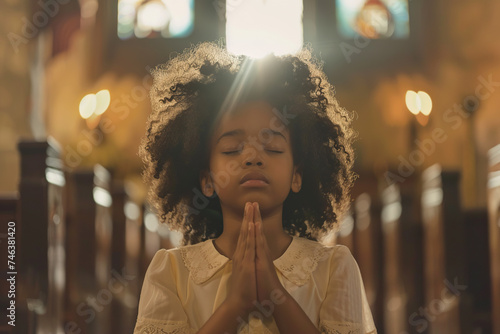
[422, 77]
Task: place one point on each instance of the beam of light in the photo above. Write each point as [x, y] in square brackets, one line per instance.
[257, 28]
[234, 93]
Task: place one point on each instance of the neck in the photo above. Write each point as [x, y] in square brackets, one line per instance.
[272, 227]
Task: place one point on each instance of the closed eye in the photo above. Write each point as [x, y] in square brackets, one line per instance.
[234, 152]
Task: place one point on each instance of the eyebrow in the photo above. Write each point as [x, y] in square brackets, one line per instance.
[238, 132]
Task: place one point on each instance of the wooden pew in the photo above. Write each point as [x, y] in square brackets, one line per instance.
[368, 251]
[126, 245]
[402, 247]
[494, 232]
[368, 246]
[476, 301]
[394, 298]
[89, 274]
[41, 238]
[443, 249]
[8, 218]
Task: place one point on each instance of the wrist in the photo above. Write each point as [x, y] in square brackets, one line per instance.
[237, 306]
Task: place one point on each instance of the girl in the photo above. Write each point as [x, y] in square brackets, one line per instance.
[270, 148]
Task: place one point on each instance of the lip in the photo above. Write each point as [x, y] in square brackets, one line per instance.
[254, 184]
[253, 176]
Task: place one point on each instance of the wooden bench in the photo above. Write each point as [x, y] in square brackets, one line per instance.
[443, 249]
[494, 232]
[126, 247]
[368, 243]
[8, 220]
[41, 238]
[476, 301]
[395, 298]
[90, 233]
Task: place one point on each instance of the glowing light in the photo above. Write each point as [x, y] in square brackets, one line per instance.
[132, 210]
[87, 105]
[257, 28]
[374, 20]
[151, 222]
[103, 98]
[425, 103]
[412, 102]
[418, 102]
[347, 226]
[102, 197]
[152, 16]
[181, 22]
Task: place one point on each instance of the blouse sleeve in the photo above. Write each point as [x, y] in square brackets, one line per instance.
[160, 310]
[345, 308]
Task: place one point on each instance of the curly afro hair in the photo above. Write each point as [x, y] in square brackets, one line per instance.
[187, 93]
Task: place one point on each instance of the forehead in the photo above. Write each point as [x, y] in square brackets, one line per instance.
[249, 119]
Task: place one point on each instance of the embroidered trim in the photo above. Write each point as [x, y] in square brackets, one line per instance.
[329, 327]
[302, 258]
[255, 326]
[202, 260]
[296, 264]
[150, 326]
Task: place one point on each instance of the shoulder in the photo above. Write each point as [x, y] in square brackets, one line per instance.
[171, 265]
[198, 261]
[336, 258]
[322, 252]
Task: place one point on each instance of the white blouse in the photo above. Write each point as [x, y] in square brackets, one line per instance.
[184, 286]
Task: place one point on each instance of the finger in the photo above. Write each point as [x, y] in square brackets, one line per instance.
[240, 250]
[257, 219]
[249, 236]
[251, 243]
[258, 240]
[257, 212]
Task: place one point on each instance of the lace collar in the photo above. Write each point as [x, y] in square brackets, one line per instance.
[297, 263]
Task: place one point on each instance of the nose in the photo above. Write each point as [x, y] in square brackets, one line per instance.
[252, 157]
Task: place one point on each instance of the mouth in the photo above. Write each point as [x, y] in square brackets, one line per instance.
[254, 178]
[254, 183]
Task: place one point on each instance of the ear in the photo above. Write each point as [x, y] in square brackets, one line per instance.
[206, 183]
[296, 179]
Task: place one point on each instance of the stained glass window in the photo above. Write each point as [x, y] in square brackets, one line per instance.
[374, 19]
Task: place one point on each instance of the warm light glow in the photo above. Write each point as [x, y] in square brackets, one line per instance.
[102, 197]
[103, 98]
[425, 102]
[256, 28]
[151, 222]
[152, 16]
[94, 104]
[373, 18]
[87, 105]
[418, 102]
[155, 18]
[412, 102]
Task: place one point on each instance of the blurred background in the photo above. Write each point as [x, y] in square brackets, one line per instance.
[423, 78]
